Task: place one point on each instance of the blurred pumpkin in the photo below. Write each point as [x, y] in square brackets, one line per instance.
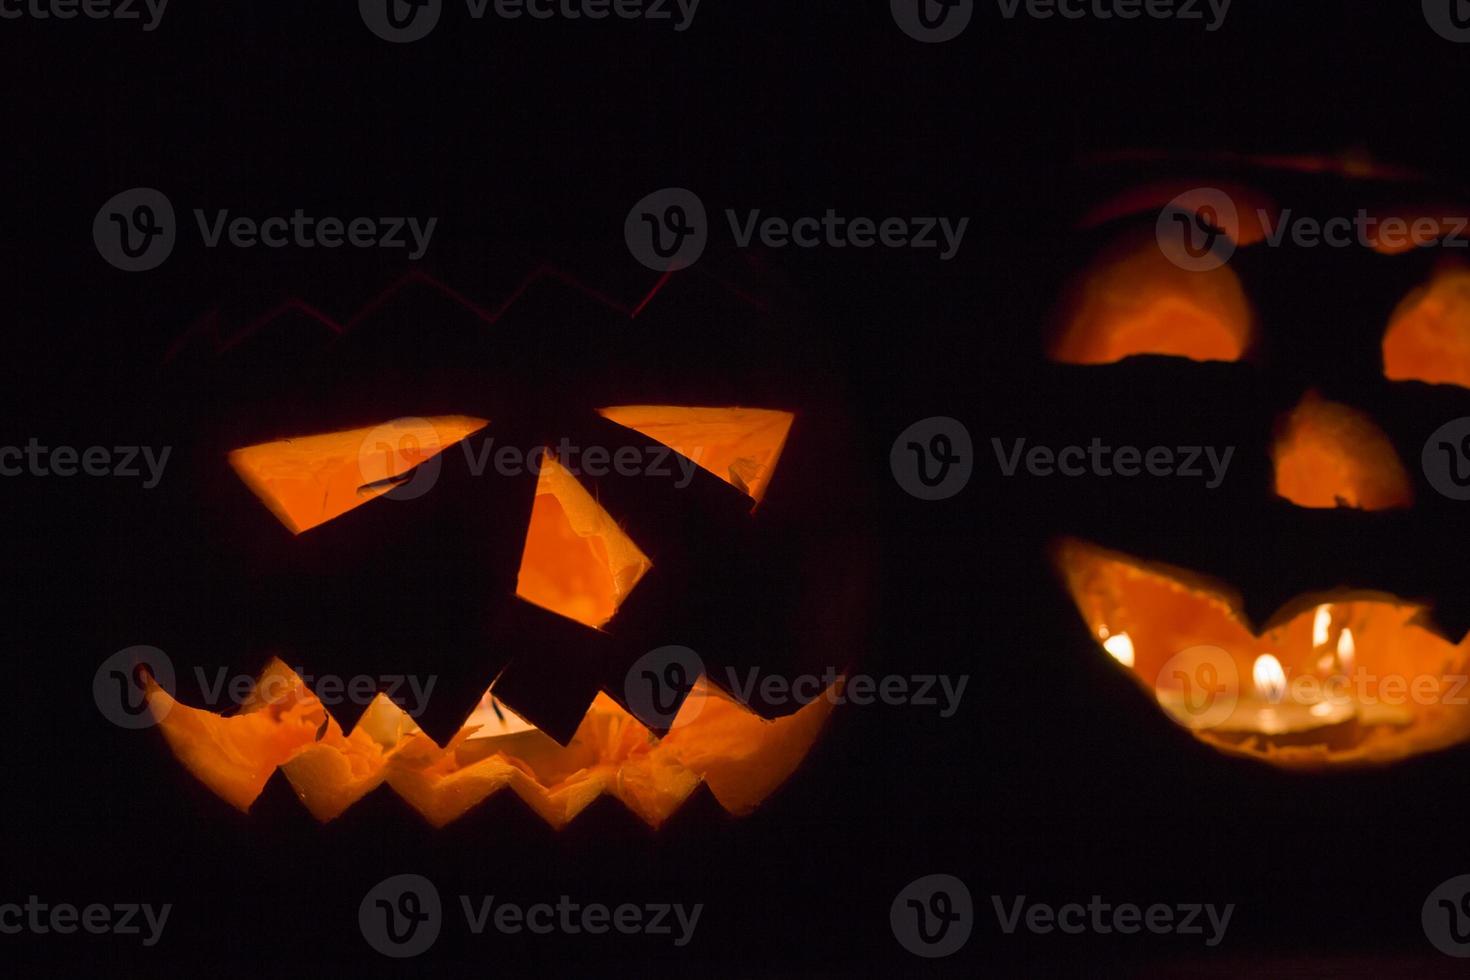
[1199, 272]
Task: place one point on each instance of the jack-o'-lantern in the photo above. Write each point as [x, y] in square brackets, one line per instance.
[352, 486]
[1323, 362]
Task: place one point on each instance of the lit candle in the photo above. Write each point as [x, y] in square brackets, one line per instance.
[1347, 652]
[1209, 700]
[1321, 626]
[1334, 717]
[1321, 634]
[1268, 713]
[1201, 689]
[1373, 712]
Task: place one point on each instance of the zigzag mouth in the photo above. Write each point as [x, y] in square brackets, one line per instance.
[741, 757]
[1350, 677]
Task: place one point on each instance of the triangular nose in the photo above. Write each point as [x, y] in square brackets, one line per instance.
[1330, 455]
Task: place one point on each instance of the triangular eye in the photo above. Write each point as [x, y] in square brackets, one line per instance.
[309, 480]
[739, 445]
[577, 561]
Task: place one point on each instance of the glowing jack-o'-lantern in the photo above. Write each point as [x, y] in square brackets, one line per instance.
[584, 559]
[577, 562]
[1343, 673]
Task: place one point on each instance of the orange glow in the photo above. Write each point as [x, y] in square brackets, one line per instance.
[739, 445]
[1330, 455]
[577, 561]
[1399, 685]
[1394, 231]
[309, 480]
[1354, 162]
[741, 757]
[1133, 300]
[1428, 337]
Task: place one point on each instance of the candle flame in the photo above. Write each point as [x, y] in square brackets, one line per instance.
[1120, 645]
[1321, 624]
[1269, 677]
[1347, 651]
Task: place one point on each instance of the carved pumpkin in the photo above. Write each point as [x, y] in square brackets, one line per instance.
[1327, 368]
[529, 631]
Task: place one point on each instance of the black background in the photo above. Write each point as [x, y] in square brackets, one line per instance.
[530, 141]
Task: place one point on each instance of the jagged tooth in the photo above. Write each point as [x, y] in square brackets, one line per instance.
[235, 755]
[653, 799]
[446, 798]
[551, 681]
[561, 806]
[325, 783]
[337, 771]
[385, 722]
[275, 679]
[771, 750]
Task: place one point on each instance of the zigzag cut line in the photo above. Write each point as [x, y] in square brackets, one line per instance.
[714, 740]
[209, 327]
